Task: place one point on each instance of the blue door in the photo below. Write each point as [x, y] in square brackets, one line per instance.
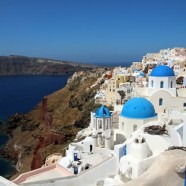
[75, 169]
[75, 157]
[125, 150]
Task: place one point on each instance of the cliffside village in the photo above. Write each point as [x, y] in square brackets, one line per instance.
[142, 141]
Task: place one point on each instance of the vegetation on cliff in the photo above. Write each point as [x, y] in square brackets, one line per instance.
[53, 123]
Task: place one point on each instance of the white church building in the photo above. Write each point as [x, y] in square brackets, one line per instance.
[135, 113]
[162, 91]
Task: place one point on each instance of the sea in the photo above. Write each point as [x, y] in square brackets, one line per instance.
[21, 94]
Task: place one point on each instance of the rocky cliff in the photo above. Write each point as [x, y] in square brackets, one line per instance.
[21, 65]
[53, 123]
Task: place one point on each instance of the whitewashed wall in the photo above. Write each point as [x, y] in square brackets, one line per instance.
[89, 178]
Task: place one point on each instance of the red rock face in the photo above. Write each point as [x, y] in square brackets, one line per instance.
[15, 155]
[40, 145]
[54, 139]
[38, 160]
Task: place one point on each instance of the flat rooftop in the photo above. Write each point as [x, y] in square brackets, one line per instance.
[44, 173]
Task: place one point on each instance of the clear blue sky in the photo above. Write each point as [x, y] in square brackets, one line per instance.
[91, 30]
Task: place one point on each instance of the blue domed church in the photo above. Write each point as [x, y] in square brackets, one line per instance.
[162, 90]
[102, 127]
[135, 113]
[162, 78]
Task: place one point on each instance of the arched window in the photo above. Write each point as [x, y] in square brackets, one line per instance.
[106, 124]
[135, 127]
[161, 84]
[100, 124]
[171, 84]
[160, 101]
[152, 83]
[125, 150]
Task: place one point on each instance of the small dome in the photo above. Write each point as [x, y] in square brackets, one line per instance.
[141, 74]
[102, 112]
[138, 108]
[162, 71]
[136, 70]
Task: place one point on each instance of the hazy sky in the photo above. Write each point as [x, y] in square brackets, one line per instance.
[91, 30]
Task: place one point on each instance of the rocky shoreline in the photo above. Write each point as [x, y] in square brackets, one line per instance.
[52, 124]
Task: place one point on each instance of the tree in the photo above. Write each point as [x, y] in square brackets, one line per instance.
[145, 71]
[179, 80]
[122, 94]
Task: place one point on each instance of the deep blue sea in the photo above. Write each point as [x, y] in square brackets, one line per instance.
[21, 94]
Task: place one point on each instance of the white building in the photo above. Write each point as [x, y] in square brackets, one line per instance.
[165, 56]
[138, 153]
[162, 78]
[103, 134]
[135, 113]
[162, 91]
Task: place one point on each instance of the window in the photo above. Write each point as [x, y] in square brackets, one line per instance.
[160, 101]
[90, 148]
[75, 157]
[152, 83]
[184, 104]
[125, 150]
[171, 84]
[100, 124]
[135, 127]
[105, 124]
[161, 84]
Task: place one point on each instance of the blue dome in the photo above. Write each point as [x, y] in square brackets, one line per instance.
[162, 71]
[138, 108]
[141, 74]
[103, 112]
[136, 69]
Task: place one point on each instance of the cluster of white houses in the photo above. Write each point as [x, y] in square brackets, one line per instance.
[168, 56]
[139, 81]
[121, 145]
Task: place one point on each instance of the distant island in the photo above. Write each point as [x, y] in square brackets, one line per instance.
[23, 65]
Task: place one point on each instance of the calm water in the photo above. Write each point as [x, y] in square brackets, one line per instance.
[21, 94]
